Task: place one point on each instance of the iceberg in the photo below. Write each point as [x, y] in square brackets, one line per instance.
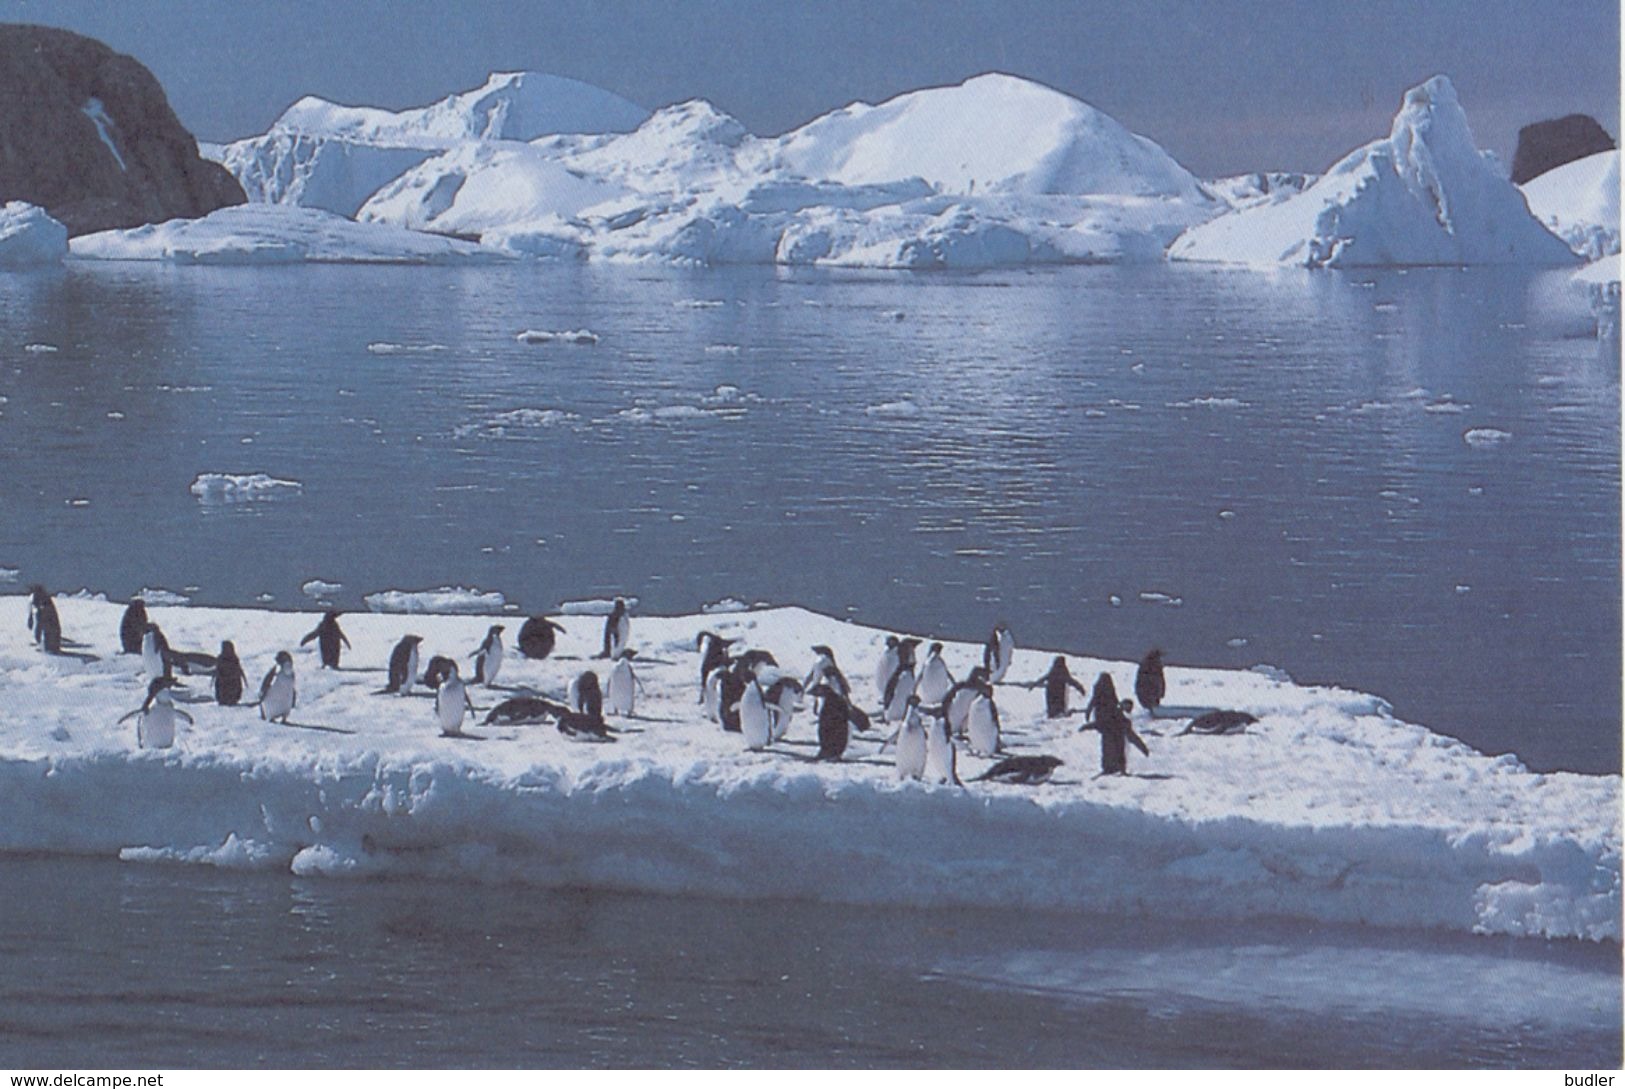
[1579, 202]
[1424, 195]
[29, 236]
[1328, 809]
[242, 487]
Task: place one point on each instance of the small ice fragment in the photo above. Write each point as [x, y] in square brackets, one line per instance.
[79, 502]
[9, 574]
[241, 487]
[320, 588]
[1462, 588]
[1115, 601]
[725, 605]
[1274, 673]
[1157, 597]
[1483, 437]
[39, 347]
[565, 336]
[903, 409]
[1238, 641]
[115, 415]
[159, 596]
[264, 596]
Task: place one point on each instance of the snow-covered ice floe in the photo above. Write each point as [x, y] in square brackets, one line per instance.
[446, 599]
[242, 487]
[1327, 809]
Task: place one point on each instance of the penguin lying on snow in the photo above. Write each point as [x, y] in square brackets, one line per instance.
[525, 711]
[1025, 770]
[1219, 723]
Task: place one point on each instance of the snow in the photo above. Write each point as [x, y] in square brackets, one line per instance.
[241, 487]
[446, 599]
[1328, 809]
[1579, 202]
[1602, 271]
[1260, 187]
[316, 172]
[97, 113]
[270, 234]
[28, 236]
[1424, 195]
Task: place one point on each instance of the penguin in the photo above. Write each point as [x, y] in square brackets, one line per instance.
[941, 759]
[825, 671]
[713, 650]
[279, 692]
[895, 705]
[403, 665]
[1215, 723]
[622, 690]
[229, 680]
[784, 694]
[155, 718]
[43, 621]
[1103, 697]
[730, 691]
[982, 724]
[436, 671]
[617, 630]
[999, 652]
[1111, 719]
[586, 697]
[450, 702]
[328, 638]
[755, 717]
[834, 722]
[910, 742]
[1023, 770]
[488, 657]
[1056, 682]
[155, 656]
[957, 706]
[189, 662]
[755, 661]
[133, 626]
[526, 711]
[886, 666]
[537, 637]
[935, 680]
[1149, 683]
[713, 694]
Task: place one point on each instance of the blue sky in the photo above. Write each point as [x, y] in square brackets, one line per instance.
[1224, 85]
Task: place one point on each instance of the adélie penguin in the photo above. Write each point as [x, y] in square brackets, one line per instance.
[155, 659]
[755, 716]
[898, 691]
[586, 696]
[982, 724]
[835, 720]
[488, 657]
[713, 650]
[935, 680]
[941, 758]
[999, 652]
[784, 694]
[435, 672]
[1056, 682]
[403, 665]
[450, 703]
[957, 706]
[1023, 770]
[617, 629]
[229, 680]
[155, 718]
[1149, 683]
[537, 637]
[279, 691]
[133, 626]
[887, 666]
[622, 690]
[910, 742]
[328, 638]
[43, 621]
[825, 671]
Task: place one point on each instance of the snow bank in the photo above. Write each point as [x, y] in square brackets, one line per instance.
[242, 487]
[447, 599]
[1425, 195]
[1327, 809]
[267, 234]
[29, 237]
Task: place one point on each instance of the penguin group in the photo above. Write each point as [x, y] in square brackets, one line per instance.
[921, 710]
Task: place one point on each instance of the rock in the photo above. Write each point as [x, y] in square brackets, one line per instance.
[1549, 144]
[88, 135]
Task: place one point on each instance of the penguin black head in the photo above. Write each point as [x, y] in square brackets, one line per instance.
[936, 649]
[412, 639]
[332, 614]
[138, 605]
[978, 673]
[891, 640]
[37, 592]
[228, 649]
[824, 651]
[910, 642]
[628, 653]
[150, 627]
[283, 658]
[620, 604]
[1155, 655]
[160, 684]
[1126, 705]
[450, 671]
[497, 629]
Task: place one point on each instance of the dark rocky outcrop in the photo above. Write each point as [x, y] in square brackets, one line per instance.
[1547, 145]
[122, 164]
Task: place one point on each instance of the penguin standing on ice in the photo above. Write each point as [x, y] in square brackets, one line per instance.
[941, 758]
[1149, 683]
[713, 650]
[730, 690]
[1111, 719]
[156, 660]
[825, 671]
[537, 637]
[622, 690]
[957, 706]
[935, 680]
[450, 703]
[328, 638]
[155, 718]
[755, 717]
[435, 672]
[43, 621]
[910, 741]
[279, 692]
[488, 657]
[586, 696]
[1056, 682]
[982, 724]
[133, 626]
[999, 652]
[403, 665]
[887, 665]
[835, 720]
[617, 630]
[898, 691]
[783, 693]
[229, 680]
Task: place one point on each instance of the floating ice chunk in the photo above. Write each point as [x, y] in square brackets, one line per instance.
[899, 410]
[446, 599]
[242, 487]
[159, 596]
[38, 347]
[1444, 404]
[697, 304]
[384, 347]
[1483, 437]
[594, 606]
[1237, 642]
[233, 854]
[115, 415]
[79, 501]
[1210, 402]
[264, 597]
[1462, 588]
[725, 605]
[518, 419]
[722, 349]
[9, 574]
[1274, 673]
[1227, 514]
[1157, 597]
[319, 588]
[566, 336]
[1115, 601]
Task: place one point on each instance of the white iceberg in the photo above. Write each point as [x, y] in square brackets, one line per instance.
[242, 487]
[1579, 202]
[29, 236]
[1424, 195]
[446, 599]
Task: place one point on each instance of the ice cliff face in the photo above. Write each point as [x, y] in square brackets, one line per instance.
[1424, 195]
[87, 134]
[1579, 202]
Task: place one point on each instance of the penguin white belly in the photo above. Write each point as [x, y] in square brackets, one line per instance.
[574, 695]
[279, 697]
[959, 709]
[883, 671]
[898, 707]
[713, 695]
[449, 704]
[934, 682]
[982, 727]
[622, 694]
[155, 729]
[911, 749]
[1006, 654]
[411, 672]
[782, 711]
[152, 662]
[619, 638]
[493, 663]
[940, 760]
[754, 720]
